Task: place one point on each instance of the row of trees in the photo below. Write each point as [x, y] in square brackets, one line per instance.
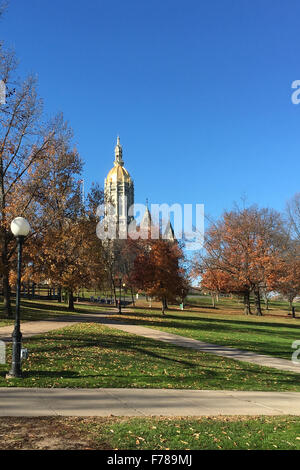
[40, 171]
[248, 251]
[252, 251]
[40, 179]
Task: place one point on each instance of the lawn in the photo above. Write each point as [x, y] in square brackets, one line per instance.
[197, 433]
[34, 310]
[215, 433]
[92, 355]
[271, 335]
[277, 307]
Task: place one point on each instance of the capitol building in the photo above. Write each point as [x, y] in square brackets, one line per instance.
[119, 197]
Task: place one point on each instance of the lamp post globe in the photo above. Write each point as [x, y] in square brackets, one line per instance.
[20, 229]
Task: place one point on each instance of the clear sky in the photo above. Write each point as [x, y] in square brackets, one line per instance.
[198, 90]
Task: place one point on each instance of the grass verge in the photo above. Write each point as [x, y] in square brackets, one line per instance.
[92, 355]
[263, 335]
[215, 433]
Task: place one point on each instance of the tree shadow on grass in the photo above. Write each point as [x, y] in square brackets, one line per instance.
[140, 346]
[56, 308]
[213, 323]
[216, 380]
[145, 349]
[122, 342]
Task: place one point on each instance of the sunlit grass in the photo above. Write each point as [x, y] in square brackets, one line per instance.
[264, 335]
[91, 355]
[214, 433]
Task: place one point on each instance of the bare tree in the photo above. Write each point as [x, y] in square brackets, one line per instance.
[24, 141]
[293, 215]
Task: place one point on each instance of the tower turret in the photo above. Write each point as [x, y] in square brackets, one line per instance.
[119, 189]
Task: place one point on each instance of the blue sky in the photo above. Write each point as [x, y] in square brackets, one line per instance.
[199, 91]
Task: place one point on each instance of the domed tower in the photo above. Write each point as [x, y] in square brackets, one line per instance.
[119, 189]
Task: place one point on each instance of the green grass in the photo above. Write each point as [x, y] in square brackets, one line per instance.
[92, 355]
[264, 335]
[34, 310]
[235, 303]
[271, 335]
[274, 433]
[151, 433]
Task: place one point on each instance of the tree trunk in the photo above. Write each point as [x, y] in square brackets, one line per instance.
[247, 307]
[70, 301]
[4, 252]
[257, 303]
[6, 287]
[6, 294]
[164, 305]
[132, 296]
[115, 295]
[59, 294]
[213, 300]
[267, 303]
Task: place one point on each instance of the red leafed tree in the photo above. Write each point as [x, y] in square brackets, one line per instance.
[157, 270]
[244, 246]
[217, 281]
[284, 277]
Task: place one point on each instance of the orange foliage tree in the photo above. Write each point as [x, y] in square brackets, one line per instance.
[284, 276]
[67, 254]
[158, 271]
[25, 141]
[240, 250]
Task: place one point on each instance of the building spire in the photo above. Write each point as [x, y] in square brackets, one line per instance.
[118, 153]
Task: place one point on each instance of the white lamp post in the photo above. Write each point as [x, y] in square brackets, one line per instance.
[20, 229]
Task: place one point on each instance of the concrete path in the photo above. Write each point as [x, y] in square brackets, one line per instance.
[224, 351]
[32, 328]
[38, 327]
[144, 402]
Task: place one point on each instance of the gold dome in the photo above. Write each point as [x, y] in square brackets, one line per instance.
[118, 174]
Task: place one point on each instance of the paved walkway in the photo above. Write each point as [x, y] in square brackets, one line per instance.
[230, 353]
[144, 402]
[32, 328]
[37, 327]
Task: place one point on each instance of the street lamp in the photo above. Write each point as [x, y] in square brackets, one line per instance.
[120, 311]
[20, 229]
[124, 285]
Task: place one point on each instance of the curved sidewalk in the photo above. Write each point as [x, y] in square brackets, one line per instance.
[144, 402]
[224, 351]
[37, 327]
